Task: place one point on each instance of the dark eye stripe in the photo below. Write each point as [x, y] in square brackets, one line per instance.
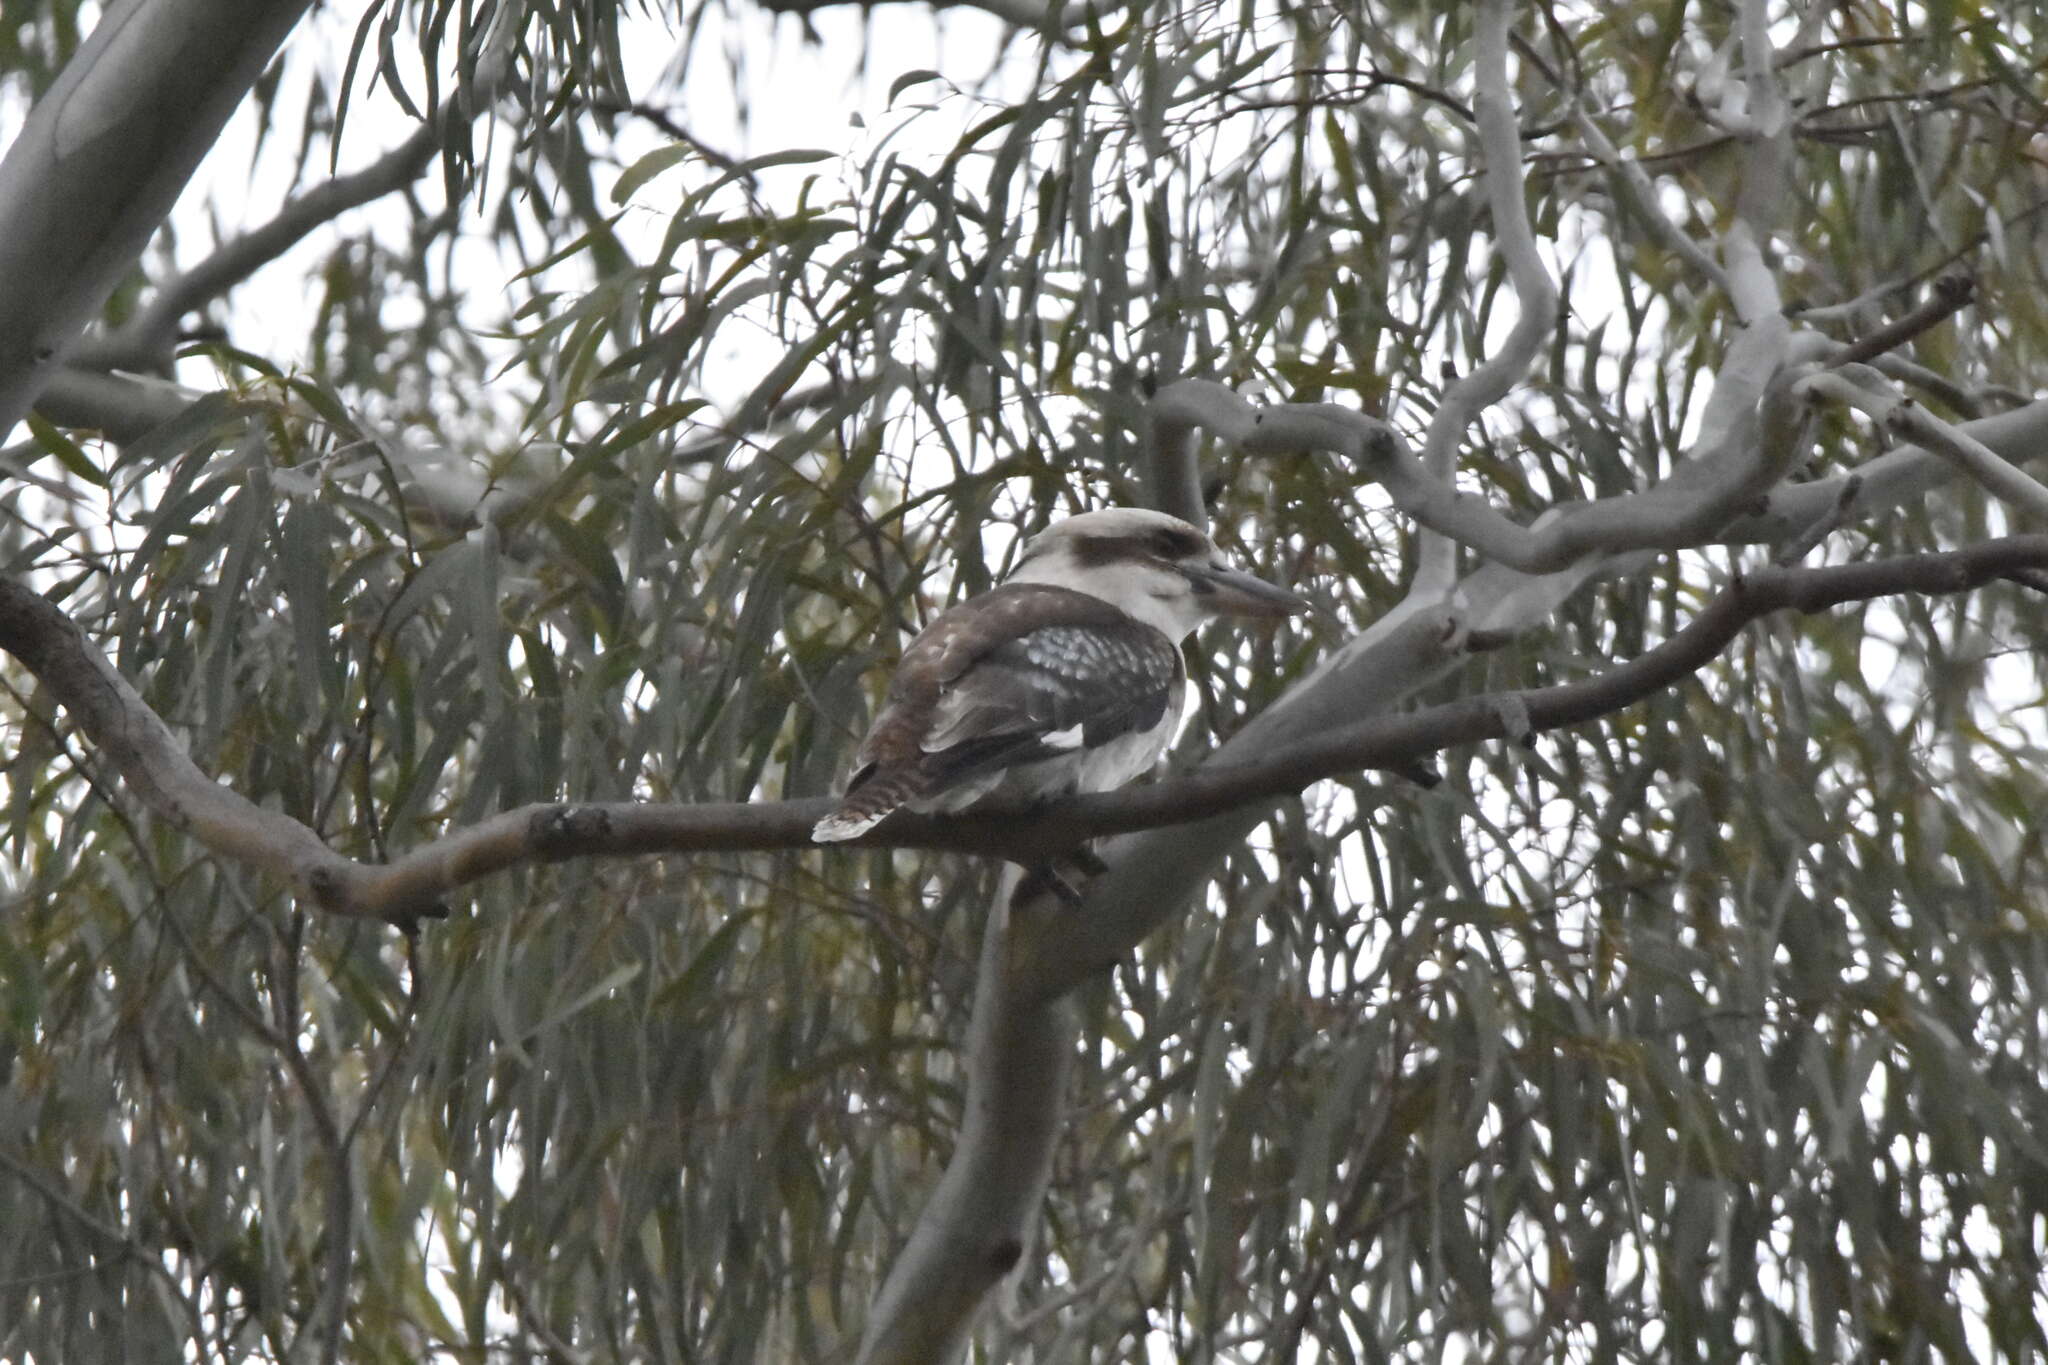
[1174, 543]
[1166, 543]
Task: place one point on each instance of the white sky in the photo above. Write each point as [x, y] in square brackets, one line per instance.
[842, 79]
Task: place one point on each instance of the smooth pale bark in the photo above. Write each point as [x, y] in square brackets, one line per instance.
[121, 407]
[104, 155]
[1156, 875]
[974, 1228]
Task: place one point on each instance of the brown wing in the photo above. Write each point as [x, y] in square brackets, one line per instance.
[1021, 674]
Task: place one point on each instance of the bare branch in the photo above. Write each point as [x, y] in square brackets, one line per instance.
[1951, 293]
[1855, 307]
[1890, 479]
[974, 1227]
[1765, 124]
[150, 759]
[1535, 292]
[140, 342]
[1746, 443]
[1172, 419]
[1629, 176]
[1823, 526]
[1634, 183]
[1812, 347]
[2003, 480]
[1766, 168]
[675, 131]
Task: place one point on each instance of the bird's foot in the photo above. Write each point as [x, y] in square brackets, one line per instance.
[1047, 879]
[1063, 877]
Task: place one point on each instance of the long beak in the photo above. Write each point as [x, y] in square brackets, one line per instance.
[1228, 592]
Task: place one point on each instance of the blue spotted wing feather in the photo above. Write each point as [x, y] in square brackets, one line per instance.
[1020, 675]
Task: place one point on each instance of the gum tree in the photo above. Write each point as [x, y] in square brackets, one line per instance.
[1610, 927]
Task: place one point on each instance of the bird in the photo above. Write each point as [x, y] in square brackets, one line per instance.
[1066, 677]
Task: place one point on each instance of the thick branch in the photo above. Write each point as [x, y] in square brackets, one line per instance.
[150, 758]
[1708, 500]
[973, 1229]
[1765, 188]
[154, 764]
[104, 155]
[1172, 419]
[1746, 442]
[2018, 436]
[1535, 292]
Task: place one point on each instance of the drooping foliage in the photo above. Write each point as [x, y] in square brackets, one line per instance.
[612, 462]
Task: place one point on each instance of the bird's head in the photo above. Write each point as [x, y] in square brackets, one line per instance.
[1155, 567]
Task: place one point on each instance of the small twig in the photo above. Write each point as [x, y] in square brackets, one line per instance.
[675, 131]
[1582, 163]
[1950, 294]
[1849, 308]
[1357, 94]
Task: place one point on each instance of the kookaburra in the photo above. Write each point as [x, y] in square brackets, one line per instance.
[1065, 678]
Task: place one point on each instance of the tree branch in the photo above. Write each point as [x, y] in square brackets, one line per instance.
[121, 407]
[155, 766]
[1707, 500]
[102, 157]
[1229, 794]
[1890, 479]
[1629, 177]
[140, 343]
[1748, 437]
[150, 758]
[1951, 293]
[1031, 14]
[1535, 293]
[1172, 419]
[974, 1228]
[2010, 484]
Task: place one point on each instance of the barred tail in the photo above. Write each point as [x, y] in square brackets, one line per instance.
[871, 799]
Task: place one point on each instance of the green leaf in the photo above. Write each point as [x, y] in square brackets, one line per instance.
[908, 79]
[649, 166]
[66, 450]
